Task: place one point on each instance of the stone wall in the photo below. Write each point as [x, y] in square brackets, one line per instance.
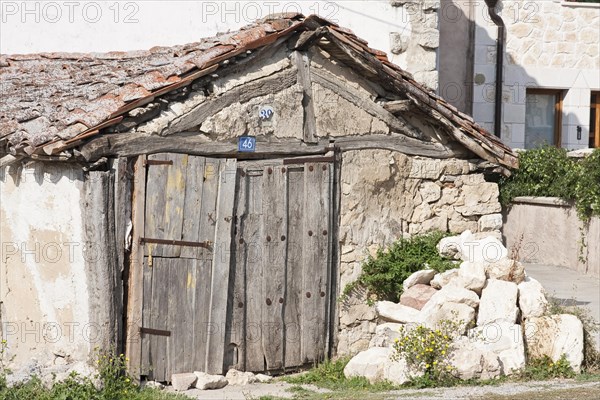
[387, 195]
[414, 47]
[548, 231]
[550, 44]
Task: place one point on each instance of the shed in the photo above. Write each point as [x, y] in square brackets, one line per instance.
[200, 207]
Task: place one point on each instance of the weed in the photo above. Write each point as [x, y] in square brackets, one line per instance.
[382, 275]
[330, 375]
[544, 368]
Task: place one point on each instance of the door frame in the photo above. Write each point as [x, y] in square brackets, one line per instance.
[133, 271]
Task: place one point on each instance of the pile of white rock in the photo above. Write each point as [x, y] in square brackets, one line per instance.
[203, 381]
[502, 315]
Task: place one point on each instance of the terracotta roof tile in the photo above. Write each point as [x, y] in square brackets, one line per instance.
[70, 96]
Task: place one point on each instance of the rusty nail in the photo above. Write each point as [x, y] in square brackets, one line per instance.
[240, 304]
[268, 238]
[322, 294]
[310, 168]
[308, 295]
[241, 240]
[310, 233]
[324, 167]
[282, 238]
[269, 302]
[324, 231]
[281, 300]
[283, 170]
[242, 173]
[270, 170]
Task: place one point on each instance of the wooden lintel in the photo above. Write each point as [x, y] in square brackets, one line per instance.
[302, 62]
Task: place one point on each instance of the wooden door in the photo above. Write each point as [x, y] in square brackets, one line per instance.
[186, 244]
[280, 286]
[236, 264]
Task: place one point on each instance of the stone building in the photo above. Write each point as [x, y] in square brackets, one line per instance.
[550, 62]
[201, 206]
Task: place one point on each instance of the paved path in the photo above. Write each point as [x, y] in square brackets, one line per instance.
[570, 287]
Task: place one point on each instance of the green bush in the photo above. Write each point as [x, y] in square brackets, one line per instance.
[428, 351]
[382, 276]
[549, 172]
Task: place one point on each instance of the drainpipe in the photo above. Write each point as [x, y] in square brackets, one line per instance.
[491, 4]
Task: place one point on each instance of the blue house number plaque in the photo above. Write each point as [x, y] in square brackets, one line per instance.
[247, 144]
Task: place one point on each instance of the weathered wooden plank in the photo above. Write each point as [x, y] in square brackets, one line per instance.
[220, 266]
[193, 205]
[199, 328]
[400, 143]
[159, 345]
[146, 359]
[235, 327]
[136, 281]
[315, 253]
[293, 282]
[133, 144]
[397, 106]
[241, 94]
[302, 63]
[165, 203]
[253, 241]
[181, 299]
[274, 207]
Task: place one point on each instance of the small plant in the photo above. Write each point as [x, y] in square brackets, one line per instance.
[428, 351]
[544, 368]
[382, 276]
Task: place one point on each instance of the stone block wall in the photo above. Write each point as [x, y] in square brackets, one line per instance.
[550, 44]
[387, 195]
[414, 47]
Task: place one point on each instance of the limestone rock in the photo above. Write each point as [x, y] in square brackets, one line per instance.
[450, 246]
[208, 382]
[385, 334]
[554, 336]
[357, 313]
[368, 363]
[183, 381]
[262, 378]
[503, 339]
[506, 269]
[376, 365]
[235, 377]
[498, 302]
[490, 222]
[442, 279]
[472, 362]
[532, 298]
[434, 313]
[417, 296]
[430, 192]
[471, 275]
[424, 277]
[488, 249]
[455, 294]
[393, 312]
[154, 385]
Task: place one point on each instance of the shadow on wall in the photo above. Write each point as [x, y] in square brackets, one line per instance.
[41, 173]
[467, 75]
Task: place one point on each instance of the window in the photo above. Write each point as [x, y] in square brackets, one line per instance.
[595, 120]
[543, 117]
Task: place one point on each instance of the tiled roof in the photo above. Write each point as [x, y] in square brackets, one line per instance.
[67, 97]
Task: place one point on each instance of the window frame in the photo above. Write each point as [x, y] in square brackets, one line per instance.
[595, 105]
[558, 110]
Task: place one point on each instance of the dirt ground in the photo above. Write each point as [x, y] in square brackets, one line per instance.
[545, 390]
